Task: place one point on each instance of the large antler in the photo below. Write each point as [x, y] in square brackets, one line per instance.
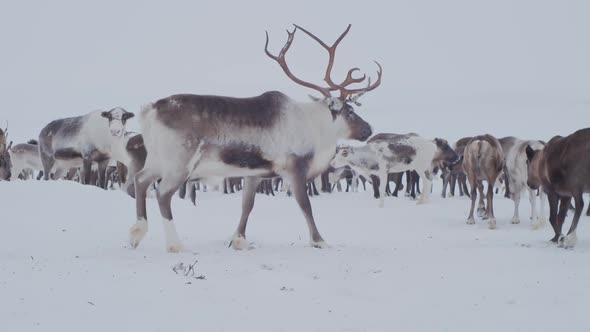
[283, 63]
[344, 92]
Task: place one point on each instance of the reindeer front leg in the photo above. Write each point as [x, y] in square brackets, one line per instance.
[426, 184]
[383, 180]
[102, 174]
[85, 175]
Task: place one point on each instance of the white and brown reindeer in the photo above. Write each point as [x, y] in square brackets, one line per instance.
[516, 176]
[259, 137]
[5, 160]
[391, 153]
[483, 161]
[81, 141]
[25, 157]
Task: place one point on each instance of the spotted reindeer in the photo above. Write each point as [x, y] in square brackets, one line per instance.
[196, 136]
[391, 153]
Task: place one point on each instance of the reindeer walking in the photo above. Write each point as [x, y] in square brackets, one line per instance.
[483, 161]
[259, 137]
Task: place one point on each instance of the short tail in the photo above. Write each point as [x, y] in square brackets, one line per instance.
[478, 155]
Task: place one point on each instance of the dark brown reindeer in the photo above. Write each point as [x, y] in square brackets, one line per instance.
[259, 137]
[455, 174]
[483, 161]
[562, 169]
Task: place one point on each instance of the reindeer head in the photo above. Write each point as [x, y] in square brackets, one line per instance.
[5, 161]
[348, 124]
[445, 155]
[341, 157]
[117, 119]
[534, 167]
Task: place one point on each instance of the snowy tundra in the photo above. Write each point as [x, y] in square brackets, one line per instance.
[415, 268]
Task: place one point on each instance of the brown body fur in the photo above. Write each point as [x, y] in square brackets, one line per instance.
[562, 168]
[483, 161]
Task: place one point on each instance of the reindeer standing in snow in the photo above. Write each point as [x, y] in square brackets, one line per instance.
[25, 157]
[197, 136]
[516, 177]
[5, 160]
[390, 153]
[483, 161]
[83, 140]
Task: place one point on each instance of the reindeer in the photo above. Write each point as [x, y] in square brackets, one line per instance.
[390, 153]
[86, 139]
[562, 170]
[456, 173]
[483, 161]
[346, 173]
[5, 160]
[259, 137]
[25, 156]
[515, 176]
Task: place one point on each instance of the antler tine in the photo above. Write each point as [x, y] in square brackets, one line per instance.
[346, 92]
[332, 55]
[349, 79]
[280, 59]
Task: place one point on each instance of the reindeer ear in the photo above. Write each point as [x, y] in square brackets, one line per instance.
[9, 146]
[128, 115]
[105, 114]
[314, 98]
[530, 153]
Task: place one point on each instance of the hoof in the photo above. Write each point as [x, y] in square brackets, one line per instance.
[481, 212]
[539, 223]
[570, 241]
[470, 221]
[239, 243]
[515, 221]
[319, 244]
[492, 223]
[174, 247]
[555, 239]
[137, 232]
[560, 241]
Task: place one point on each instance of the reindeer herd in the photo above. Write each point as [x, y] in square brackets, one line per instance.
[268, 142]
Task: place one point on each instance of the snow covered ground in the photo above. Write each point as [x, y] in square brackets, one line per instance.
[65, 266]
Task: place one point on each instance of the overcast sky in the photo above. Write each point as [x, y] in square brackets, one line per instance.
[451, 68]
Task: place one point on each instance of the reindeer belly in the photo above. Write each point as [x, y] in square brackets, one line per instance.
[232, 160]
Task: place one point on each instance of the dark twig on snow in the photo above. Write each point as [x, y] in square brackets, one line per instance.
[188, 271]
